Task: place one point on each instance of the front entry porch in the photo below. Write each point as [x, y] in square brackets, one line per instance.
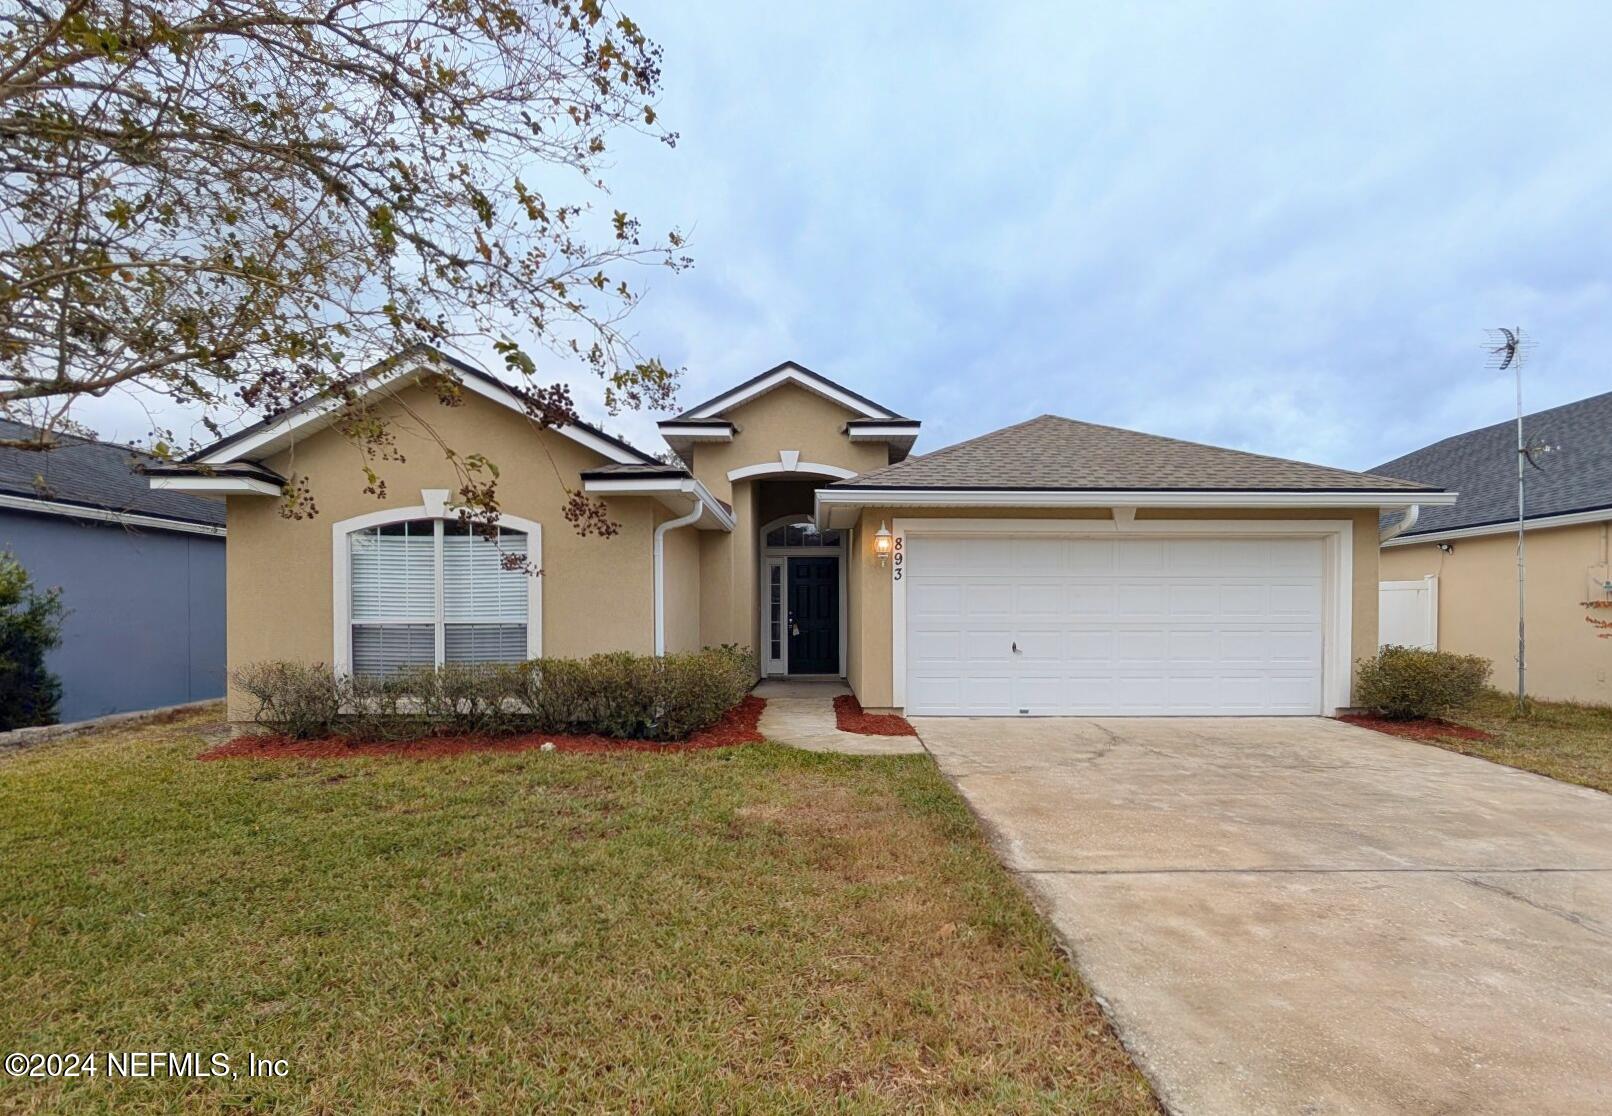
[802, 606]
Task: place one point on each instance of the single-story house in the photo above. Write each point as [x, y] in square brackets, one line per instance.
[1456, 567]
[141, 574]
[1052, 567]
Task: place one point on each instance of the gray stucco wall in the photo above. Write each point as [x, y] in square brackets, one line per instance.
[145, 622]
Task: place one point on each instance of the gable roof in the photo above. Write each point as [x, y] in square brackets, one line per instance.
[272, 433]
[787, 373]
[1575, 477]
[1053, 453]
[95, 476]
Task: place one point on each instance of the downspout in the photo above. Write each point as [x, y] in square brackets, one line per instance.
[660, 569]
[1406, 522]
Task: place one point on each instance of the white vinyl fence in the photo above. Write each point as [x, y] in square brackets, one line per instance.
[1407, 613]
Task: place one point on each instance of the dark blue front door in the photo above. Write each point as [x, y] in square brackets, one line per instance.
[814, 615]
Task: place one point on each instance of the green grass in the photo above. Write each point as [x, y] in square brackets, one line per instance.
[744, 930]
[1560, 739]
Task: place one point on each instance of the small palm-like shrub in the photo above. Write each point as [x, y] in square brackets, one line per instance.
[617, 694]
[1406, 683]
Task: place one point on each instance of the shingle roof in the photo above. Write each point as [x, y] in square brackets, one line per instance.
[1058, 453]
[1575, 476]
[95, 475]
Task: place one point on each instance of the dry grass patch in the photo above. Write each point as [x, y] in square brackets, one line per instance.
[749, 929]
[1561, 739]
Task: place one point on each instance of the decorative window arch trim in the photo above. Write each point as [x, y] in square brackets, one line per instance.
[789, 462]
[435, 506]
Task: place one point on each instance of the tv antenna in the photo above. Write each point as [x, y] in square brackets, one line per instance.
[1509, 350]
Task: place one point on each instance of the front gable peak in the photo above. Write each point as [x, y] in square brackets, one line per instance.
[869, 422]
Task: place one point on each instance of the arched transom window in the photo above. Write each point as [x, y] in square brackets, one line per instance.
[802, 534]
[428, 591]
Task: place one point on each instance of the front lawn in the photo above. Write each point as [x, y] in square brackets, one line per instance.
[1565, 741]
[747, 929]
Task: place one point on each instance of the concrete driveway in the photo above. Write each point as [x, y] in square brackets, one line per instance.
[1299, 916]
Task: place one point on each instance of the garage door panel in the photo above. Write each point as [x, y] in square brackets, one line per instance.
[1114, 626]
[936, 645]
[1294, 600]
[1084, 645]
[989, 599]
[1092, 599]
[1141, 645]
[1139, 556]
[933, 598]
[990, 695]
[1039, 646]
[1041, 597]
[1193, 600]
[1039, 556]
[1090, 556]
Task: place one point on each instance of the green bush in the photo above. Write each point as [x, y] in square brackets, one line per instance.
[30, 625]
[618, 694]
[1405, 683]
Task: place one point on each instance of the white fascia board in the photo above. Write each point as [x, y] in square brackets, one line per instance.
[666, 489]
[216, 486]
[697, 432]
[985, 498]
[106, 515]
[882, 433]
[1509, 527]
[787, 374]
[837, 507]
[269, 439]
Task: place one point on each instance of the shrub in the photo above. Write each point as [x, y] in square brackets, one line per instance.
[30, 625]
[619, 694]
[1405, 683]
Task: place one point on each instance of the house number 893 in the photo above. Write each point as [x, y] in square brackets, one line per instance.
[899, 561]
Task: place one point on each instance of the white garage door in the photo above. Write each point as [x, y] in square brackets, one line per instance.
[1011, 625]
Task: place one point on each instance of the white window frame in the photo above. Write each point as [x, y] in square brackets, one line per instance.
[780, 555]
[435, 508]
[1337, 535]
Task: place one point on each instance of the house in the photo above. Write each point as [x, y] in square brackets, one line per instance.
[1466, 555]
[141, 574]
[1050, 567]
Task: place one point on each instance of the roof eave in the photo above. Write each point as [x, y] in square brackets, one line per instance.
[837, 504]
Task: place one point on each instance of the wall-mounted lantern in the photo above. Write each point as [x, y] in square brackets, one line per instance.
[881, 543]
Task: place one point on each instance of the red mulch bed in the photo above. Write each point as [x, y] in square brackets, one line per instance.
[849, 717]
[737, 726]
[1425, 729]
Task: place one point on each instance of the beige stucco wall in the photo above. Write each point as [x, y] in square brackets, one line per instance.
[682, 574]
[1477, 614]
[786, 418]
[871, 673]
[597, 593]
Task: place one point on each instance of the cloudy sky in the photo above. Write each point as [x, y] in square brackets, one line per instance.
[1276, 229]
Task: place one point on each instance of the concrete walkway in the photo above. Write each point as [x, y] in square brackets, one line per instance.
[801, 714]
[1298, 916]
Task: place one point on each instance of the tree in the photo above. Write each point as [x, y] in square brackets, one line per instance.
[228, 202]
[30, 625]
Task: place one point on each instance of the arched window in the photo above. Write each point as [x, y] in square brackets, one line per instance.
[428, 590]
[802, 534]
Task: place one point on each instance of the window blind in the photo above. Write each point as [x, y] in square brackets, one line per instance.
[424, 592]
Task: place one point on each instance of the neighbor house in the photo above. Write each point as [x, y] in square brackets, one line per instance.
[1050, 567]
[1466, 555]
[141, 573]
